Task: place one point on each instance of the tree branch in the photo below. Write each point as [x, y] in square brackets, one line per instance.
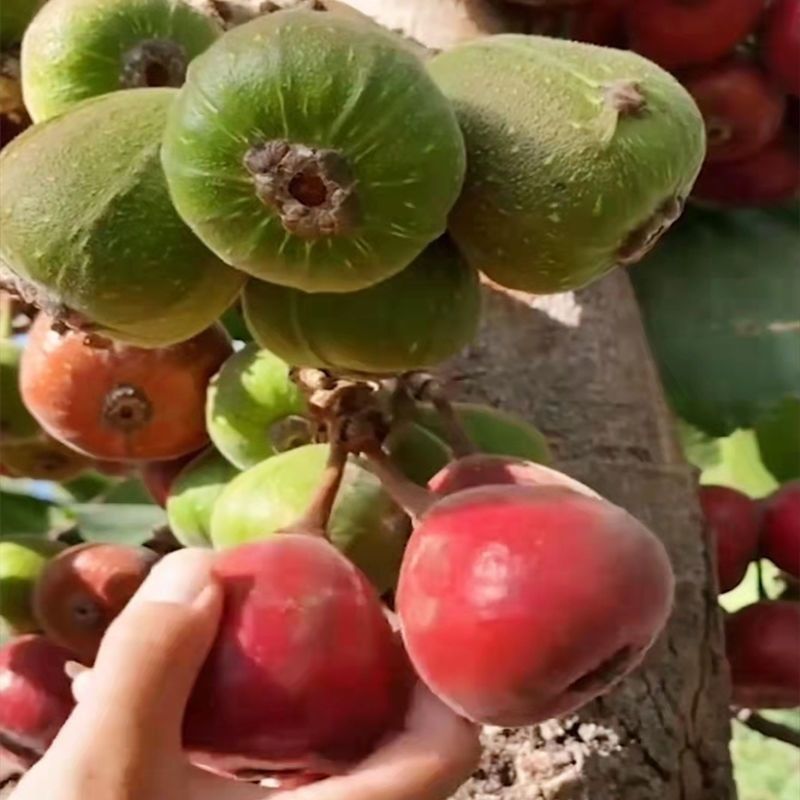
[767, 727]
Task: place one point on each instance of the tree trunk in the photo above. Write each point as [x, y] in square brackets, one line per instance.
[578, 365]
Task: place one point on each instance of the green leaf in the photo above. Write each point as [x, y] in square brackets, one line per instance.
[88, 486]
[701, 450]
[719, 301]
[23, 514]
[740, 466]
[129, 492]
[118, 523]
[778, 435]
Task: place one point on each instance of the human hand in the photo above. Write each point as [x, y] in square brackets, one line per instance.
[123, 741]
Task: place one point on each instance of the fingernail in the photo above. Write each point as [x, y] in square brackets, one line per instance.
[178, 578]
[74, 668]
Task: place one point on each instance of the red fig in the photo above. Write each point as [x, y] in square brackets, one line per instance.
[781, 528]
[305, 673]
[84, 588]
[763, 649]
[35, 696]
[733, 521]
[158, 476]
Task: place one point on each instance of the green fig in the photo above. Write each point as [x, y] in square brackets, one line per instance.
[416, 451]
[579, 157]
[22, 559]
[16, 422]
[15, 16]
[313, 150]
[253, 409]
[491, 430]
[42, 459]
[365, 524]
[89, 231]
[192, 497]
[76, 49]
[413, 320]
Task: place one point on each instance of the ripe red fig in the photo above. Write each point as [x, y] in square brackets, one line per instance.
[35, 696]
[780, 537]
[158, 476]
[524, 600]
[305, 673]
[781, 45]
[733, 522]
[763, 649]
[83, 589]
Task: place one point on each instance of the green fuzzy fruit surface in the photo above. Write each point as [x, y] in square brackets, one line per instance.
[15, 16]
[491, 431]
[16, 422]
[579, 157]
[88, 229]
[313, 151]
[413, 320]
[365, 524]
[22, 558]
[193, 495]
[253, 409]
[76, 49]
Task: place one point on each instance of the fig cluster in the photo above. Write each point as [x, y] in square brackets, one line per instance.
[242, 249]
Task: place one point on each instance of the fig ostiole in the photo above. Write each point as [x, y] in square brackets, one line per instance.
[77, 49]
[295, 168]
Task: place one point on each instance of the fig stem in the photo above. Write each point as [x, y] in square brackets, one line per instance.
[314, 521]
[767, 727]
[762, 592]
[413, 499]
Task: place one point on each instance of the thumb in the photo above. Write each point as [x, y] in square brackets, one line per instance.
[150, 657]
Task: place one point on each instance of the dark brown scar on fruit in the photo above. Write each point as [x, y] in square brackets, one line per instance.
[291, 432]
[152, 63]
[606, 672]
[313, 191]
[641, 240]
[625, 97]
[127, 408]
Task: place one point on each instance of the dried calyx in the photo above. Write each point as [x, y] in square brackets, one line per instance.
[127, 408]
[313, 191]
[153, 63]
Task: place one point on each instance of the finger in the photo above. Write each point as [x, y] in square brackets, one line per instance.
[149, 659]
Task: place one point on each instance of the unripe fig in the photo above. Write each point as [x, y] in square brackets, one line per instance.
[769, 177]
[521, 603]
[491, 430]
[16, 422]
[579, 157]
[413, 320]
[365, 524]
[675, 33]
[15, 16]
[742, 109]
[158, 476]
[76, 49]
[780, 532]
[42, 459]
[733, 522]
[22, 559]
[326, 159]
[781, 44]
[193, 495]
[90, 233]
[35, 695]
[253, 409]
[119, 402]
[763, 649]
[83, 589]
[305, 672]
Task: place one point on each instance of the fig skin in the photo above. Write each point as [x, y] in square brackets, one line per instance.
[159, 476]
[193, 494]
[35, 695]
[77, 49]
[781, 45]
[413, 320]
[292, 96]
[83, 589]
[89, 230]
[121, 403]
[253, 409]
[305, 649]
[365, 524]
[579, 157]
[780, 531]
[22, 559]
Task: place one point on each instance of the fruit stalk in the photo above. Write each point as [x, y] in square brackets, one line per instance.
[768, 727]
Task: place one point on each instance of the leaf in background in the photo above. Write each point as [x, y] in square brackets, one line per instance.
[88, 486]
[778, 435]
[22, 514]
[719, 298]
[700, 450]
[740, 466]
[129, 492]
[118, 523]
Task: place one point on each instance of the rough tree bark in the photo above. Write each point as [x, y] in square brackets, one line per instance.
[578, 364]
